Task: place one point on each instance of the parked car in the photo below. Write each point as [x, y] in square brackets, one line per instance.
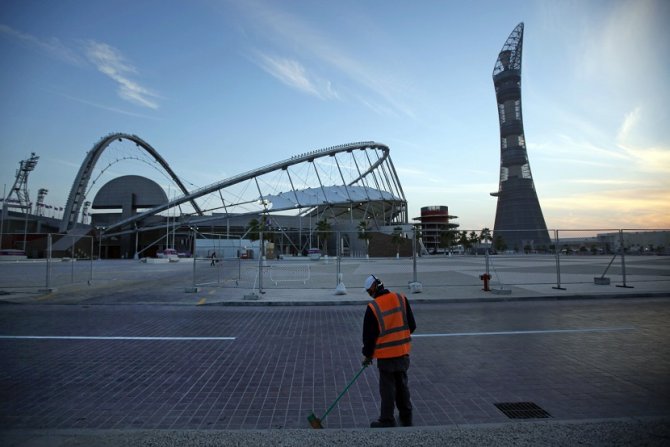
[314, 254]
[9, 254]
[167, 253]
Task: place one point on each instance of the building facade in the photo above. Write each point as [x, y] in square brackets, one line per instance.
[434, 223]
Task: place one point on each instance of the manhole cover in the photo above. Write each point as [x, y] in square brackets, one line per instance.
[522, 410]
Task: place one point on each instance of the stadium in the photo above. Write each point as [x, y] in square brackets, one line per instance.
[302, 201]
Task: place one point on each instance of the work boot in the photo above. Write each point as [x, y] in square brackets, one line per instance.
[382, 423]
[406, 421]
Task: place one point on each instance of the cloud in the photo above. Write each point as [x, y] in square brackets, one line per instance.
[109, 61]
[405, 171]
[641, 207]
[104, 57]
[584, 148]
[377, 108]
[294, 74]
[556, 161]
[480, 190]
[292, 32]
[630, 121]
[625, 43]
[52, 46]
[592, 181]
[654, 159]
[103, 107]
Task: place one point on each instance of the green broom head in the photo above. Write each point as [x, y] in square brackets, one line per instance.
[314, 421]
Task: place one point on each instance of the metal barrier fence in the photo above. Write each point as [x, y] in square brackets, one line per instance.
[48, 260]
[344, 260]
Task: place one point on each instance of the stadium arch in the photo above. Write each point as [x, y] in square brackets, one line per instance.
[77, 192]
[351, 181]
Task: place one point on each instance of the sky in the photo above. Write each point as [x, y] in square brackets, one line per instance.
[220, 87]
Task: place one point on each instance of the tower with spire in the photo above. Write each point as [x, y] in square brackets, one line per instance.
[519, 223]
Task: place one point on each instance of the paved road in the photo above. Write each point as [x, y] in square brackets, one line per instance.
[175, 367]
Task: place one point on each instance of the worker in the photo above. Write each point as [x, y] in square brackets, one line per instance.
[387, 326]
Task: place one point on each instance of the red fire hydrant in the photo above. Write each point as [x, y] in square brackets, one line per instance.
[485, 277]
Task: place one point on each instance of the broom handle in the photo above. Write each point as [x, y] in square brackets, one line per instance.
[343, 391]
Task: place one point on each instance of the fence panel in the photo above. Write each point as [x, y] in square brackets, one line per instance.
[71, 259]
[574, 258]
[23, 274]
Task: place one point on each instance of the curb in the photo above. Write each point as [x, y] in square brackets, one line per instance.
[496, 299]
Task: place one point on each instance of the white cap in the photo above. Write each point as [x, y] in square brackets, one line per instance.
[369, 281]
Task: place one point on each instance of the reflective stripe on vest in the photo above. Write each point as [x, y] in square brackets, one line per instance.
[394, 336]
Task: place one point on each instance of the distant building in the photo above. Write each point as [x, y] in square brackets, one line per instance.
[434, 223]
[121, 198]
[639, 242]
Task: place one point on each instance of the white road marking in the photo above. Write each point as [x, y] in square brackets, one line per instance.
[93, 337]
[545, 331]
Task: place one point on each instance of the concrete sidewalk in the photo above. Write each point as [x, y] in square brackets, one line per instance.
[442, 280]
[617, 432]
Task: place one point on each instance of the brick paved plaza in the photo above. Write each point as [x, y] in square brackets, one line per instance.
[168, 367]
[132, 358]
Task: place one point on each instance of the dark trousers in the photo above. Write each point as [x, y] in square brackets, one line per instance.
[394, 389]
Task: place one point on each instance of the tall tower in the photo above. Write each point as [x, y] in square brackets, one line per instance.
[519, 221]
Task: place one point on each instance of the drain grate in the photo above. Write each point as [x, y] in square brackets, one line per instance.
[522, 410]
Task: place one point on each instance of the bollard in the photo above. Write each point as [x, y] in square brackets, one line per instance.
[486, 278]
[194, 288]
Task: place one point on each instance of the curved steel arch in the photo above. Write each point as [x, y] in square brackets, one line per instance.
[76, 197]
[296, 159]
[281, 165]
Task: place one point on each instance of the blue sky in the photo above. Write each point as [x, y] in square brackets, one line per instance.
[221, 87]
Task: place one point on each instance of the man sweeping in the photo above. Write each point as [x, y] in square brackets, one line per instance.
[387, 326]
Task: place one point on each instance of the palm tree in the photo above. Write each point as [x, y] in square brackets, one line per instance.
[365, 235]
[254, 230]
[255, 227]
[485, 235]
[396, 238]
[447, 239]
[322, 232]
[474, 239]
[463, 240]
[499, 243]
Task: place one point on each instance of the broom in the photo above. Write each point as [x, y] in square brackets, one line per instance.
[314, 421]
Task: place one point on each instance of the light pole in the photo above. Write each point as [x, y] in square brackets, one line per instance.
[28, 209]
[136, 256]
[4, 211]
[2, 222]
[100, 232]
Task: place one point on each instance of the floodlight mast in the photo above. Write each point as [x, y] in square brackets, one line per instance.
[18, 196]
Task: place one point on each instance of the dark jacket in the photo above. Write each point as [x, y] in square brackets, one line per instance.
[371, 326]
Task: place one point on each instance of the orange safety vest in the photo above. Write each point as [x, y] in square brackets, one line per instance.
[394, 336]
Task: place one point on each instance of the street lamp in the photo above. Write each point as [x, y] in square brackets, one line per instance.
[100, 232]
[28, 209]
